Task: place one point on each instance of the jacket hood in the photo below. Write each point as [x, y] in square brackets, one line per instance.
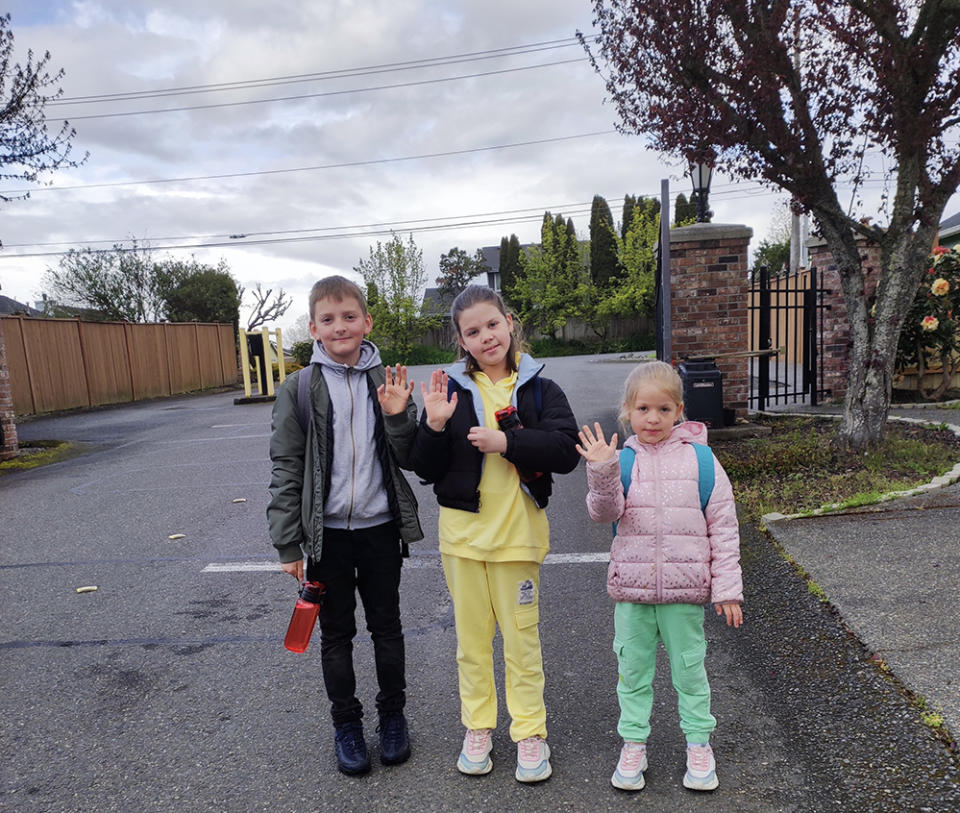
[369, 357]
[527, 368]
[686, 432]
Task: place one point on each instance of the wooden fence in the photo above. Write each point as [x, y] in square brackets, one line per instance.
[59, 364]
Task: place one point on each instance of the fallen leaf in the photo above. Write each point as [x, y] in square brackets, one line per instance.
[176, 536]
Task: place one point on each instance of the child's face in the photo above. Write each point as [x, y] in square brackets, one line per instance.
[340, 328]
[485, 335]
[653, 414]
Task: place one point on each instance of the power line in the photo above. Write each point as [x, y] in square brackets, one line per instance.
[286, 170]
[421, 225]
[322, 94]
[342, 73]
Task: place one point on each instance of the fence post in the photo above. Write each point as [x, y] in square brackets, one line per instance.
[764, 343]
[8, 427]
[126, 341]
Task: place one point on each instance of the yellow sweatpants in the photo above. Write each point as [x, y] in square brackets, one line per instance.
[484, 595]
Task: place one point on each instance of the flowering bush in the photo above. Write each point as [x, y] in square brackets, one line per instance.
[929, 338]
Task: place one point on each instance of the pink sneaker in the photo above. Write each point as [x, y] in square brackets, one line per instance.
[630, 768]
[533, 760]
[701, 768]
[475, 754]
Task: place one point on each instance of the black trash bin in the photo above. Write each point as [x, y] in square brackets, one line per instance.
[702, 391]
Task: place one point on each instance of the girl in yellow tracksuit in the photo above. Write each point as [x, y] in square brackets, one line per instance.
[493, 479]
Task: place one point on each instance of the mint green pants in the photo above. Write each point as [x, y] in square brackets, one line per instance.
[637, 628]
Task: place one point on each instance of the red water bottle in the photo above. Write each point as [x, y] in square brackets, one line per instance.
[304, 616]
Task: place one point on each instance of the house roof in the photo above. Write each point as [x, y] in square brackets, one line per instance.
[950, 226]
[435, 303]
[10, 306]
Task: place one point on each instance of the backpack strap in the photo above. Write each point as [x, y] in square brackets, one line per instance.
[705, 468]
[627, 456]
[303, 397]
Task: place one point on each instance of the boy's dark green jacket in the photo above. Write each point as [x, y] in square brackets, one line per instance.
[300, 477]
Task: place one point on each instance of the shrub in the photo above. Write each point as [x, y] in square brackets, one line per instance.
[929, 336]
[302, 351]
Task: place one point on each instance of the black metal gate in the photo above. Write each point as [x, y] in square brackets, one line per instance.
[786, 335]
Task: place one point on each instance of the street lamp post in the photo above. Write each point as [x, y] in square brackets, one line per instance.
[700, 173]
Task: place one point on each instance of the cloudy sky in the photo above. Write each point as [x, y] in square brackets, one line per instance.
[288, 137]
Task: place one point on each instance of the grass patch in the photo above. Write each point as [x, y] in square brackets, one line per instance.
[37, 453]
[799, 468]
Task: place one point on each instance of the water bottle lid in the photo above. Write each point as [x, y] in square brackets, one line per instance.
[312, 592]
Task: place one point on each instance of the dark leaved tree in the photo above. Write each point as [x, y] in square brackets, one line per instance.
[799, 93]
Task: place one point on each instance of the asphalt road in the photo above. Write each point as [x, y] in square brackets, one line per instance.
[168, 689]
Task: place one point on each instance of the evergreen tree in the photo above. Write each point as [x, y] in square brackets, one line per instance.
[603, 244]
[629, 201]
[684, 211]
[457, 270]
[509, 266]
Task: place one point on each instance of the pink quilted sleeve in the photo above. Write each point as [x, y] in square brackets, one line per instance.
[604, 491]
[726, 582]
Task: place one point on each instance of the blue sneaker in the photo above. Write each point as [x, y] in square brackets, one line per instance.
[533, 760]
[474, 757]
[701, 768]
[630, 768]
[348, 742]
[394, 738]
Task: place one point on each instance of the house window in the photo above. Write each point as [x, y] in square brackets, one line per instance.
[493, 280]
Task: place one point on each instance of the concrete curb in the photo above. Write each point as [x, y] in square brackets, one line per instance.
[947, 479]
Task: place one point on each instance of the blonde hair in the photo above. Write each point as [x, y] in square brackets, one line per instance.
[476, 295]
[656, 373]
[336, 288]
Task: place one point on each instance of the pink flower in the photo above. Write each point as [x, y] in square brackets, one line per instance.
[939, 287]
[941, 250]
[930, 323]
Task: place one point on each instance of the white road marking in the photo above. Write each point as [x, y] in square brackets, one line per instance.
[413, 561]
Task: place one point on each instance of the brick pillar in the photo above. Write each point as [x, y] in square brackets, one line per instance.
[8, 444]
[836, 341]
[708, 304]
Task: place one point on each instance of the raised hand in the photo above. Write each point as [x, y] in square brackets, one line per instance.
[435, 402]
[394, 392]
[592, 446]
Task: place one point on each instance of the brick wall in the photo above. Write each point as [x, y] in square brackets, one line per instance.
[709, 296]
[8, 446]
[836, 331]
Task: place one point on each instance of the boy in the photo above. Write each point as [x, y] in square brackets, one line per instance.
[339, 500]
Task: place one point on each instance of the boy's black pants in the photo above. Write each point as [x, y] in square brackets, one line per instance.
[367, 561]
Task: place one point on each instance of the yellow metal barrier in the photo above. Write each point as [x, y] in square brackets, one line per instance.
[255, 351]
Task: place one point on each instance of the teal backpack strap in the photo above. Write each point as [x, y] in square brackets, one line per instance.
[627, 456]
[705, 469]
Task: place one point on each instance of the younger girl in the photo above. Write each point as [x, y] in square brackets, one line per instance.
[668, 558]
[492, 485]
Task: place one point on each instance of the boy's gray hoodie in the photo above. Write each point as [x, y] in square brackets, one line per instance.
[357, 497]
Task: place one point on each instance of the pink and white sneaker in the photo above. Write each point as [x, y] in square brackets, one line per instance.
[533, 760]
[630, 768]
[475, 754]
[701, 768]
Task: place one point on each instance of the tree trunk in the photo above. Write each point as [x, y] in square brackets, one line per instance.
[874, 344]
